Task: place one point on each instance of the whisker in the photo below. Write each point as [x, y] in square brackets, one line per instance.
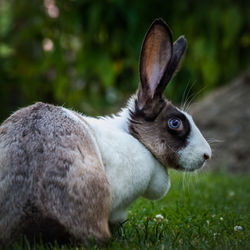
[213, 140]
[183, 98]
[184, 180]
[187, 96]
[171, 149]
[194, 96]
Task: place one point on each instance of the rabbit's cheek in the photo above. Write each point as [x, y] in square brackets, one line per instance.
[197, 150]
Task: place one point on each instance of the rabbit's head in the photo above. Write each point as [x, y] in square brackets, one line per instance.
[169, 133]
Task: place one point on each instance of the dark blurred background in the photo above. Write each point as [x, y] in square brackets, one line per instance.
[84, 53]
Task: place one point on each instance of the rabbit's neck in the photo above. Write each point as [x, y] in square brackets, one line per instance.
[131, 169]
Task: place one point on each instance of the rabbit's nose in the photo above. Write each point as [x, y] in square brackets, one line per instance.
[206, 156]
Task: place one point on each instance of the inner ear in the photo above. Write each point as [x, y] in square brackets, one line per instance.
[156, 54]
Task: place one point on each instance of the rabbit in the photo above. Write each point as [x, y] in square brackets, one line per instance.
[69, 176]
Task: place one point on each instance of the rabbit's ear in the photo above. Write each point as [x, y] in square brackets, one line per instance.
[179, 49]
[155, 57]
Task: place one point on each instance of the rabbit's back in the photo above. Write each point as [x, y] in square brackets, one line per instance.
[51, 176]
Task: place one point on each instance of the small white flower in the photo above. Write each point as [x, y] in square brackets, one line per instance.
[216, 235]
[231, 193]
[159, 217]
[238, 228]
[221, 218]
[208, 222]
[213, 215]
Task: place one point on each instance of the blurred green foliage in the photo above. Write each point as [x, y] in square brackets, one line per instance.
[84, 53]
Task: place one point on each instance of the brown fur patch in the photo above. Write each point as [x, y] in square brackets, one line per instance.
[49, 159]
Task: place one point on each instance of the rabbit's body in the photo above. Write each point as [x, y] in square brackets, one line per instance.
[45, 167]
[66, 175]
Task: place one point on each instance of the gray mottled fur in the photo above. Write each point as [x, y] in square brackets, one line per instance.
[47, 181]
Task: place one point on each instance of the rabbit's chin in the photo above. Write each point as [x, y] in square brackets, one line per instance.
[192, 167]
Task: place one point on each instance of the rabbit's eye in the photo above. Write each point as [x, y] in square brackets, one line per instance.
[175, 124]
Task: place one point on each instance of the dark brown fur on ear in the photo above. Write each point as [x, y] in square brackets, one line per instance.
[179, 49]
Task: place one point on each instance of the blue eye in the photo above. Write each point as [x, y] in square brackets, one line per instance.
[175, 123]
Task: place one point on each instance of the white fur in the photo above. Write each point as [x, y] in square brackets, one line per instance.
[192, 156]
[131, 169]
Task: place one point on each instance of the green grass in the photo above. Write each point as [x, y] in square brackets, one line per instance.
[200, 212]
